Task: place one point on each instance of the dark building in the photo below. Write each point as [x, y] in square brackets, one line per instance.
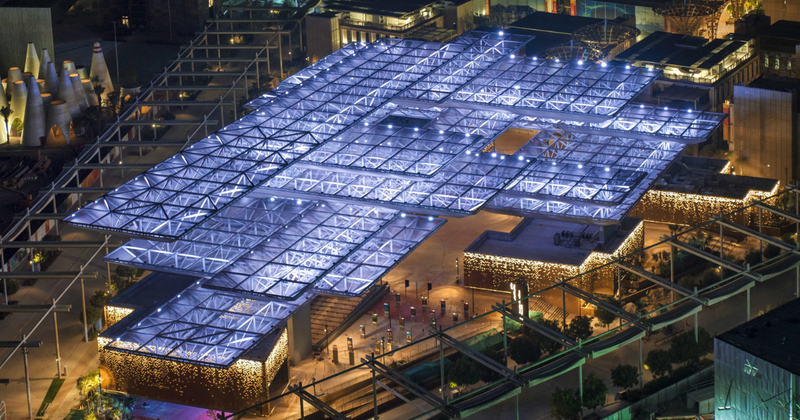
[756, 366]
[780, 45]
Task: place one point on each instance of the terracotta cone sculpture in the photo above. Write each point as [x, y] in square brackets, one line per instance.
[58, 115]
[77, 89]
[32, 60]
[43, 62]
[69, 65]
[14, 74]
[66, 93]
[33, 130]
[88, 88]
[19, 98]
[100, 70]
[51, 79]
[81, 70]
[46, 99]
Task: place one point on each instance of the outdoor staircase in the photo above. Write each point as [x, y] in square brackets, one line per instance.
[548, 311]
[330, 311]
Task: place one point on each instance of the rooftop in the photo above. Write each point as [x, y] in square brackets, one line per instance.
[379, 7]
[699, 175]
[665, 49]
[773, 337]
[553, 241]
[785, 29]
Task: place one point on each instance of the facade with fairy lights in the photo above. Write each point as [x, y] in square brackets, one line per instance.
[341, 172]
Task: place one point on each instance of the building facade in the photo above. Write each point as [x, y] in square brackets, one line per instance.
[764, 134]
[756, 367]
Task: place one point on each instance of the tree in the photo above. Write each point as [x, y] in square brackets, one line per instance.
[625, 376]
[547, 344]
[565, 404]
[594, 391]
[658, 362]
[6, 112]
[580, 328]
[771, 251]
[464, 372]
[684, 350]
[17, 126]
[12, 286]
[489, 375]
[98, 89]
[605, 317]
[524, 350]
[753, 257]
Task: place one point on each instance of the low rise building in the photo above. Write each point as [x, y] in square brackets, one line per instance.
[764, 129]
[541, 251]
[693, 189]
[780, 46]
[756, 366]
[346, 21]
[697, 73]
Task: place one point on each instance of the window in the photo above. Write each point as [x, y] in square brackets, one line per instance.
[789, 65]
[766, 61]
[777, 63]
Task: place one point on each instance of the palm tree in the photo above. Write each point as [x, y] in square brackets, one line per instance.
[6, 112]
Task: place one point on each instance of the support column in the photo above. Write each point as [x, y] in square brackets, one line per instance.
[580, 384]
[696, 336]
[83, 302]
[672, 269]
[441, 359]
[27, 377]
[505, 336]
[748, 305]
[58, 346]
[374, 391]
[564, 309]
[641, 366]
[760, 242]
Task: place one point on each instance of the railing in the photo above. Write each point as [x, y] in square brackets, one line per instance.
[387, 27]
[707, 80]
[3, 410]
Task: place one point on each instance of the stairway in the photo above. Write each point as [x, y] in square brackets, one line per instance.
[330, 311]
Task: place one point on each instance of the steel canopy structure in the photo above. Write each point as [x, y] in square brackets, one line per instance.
[343, 169]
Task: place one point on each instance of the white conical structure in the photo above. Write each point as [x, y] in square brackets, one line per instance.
[33, 129]
[19, 98]
[77, 89]
[100, 70]
[14, 74]
[88, 87]
[51, 79]
[32, 60]
[66, 93]
[81, 70]
[3, 104]
[69, 65]
[58, 115]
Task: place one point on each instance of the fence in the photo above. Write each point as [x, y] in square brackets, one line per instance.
[667, 394]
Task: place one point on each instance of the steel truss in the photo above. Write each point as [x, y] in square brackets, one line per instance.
[308, 192]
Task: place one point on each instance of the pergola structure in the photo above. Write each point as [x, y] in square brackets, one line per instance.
[345, 168]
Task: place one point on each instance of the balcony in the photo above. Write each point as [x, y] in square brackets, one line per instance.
[386, 27]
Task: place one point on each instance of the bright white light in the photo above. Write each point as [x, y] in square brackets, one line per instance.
[641, 105]
[299, 202]
[494, 154]
[513, 56]
[534, 58]
[580, 166]
[554, 164]
[603, 64]
[500, 33]
[402, 215]
[390, 126]
[502, 157]
[366, 123]
[627, 67]
[580, 62]
[689, 110]
[558, 61]
[441, 131]
[608, 169]
[416, 129]
[468, 152]
[430, 218]
[516, 86]
[520, 158]
[466, 135]
[665, 108]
